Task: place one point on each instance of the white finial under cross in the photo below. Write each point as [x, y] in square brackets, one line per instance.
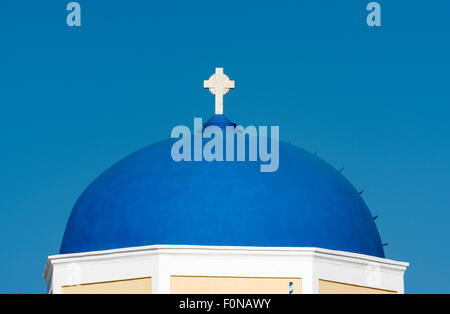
[219, 84]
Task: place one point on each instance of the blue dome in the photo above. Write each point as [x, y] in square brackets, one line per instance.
[147, 198]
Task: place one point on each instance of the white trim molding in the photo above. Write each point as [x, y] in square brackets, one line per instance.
[160, 262]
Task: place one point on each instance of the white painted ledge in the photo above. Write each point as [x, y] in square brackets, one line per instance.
[162, 261]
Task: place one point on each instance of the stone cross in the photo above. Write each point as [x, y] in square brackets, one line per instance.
[219, 84]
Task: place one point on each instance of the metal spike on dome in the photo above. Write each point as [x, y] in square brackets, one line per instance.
[385, 244]
[375, 218]
[340, 170]
[362, 191]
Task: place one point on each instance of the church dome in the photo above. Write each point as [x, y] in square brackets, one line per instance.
[149, 199]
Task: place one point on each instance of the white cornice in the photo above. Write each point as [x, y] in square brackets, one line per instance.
[222, 250]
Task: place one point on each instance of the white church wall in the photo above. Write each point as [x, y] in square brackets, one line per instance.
[161, 262]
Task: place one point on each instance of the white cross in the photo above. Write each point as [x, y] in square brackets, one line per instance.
[219, 84]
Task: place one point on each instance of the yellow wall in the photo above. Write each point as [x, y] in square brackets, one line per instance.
[139, 285]
[205, 285]
[331, 287]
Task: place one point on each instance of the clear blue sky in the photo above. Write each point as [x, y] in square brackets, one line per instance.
[73, 101]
